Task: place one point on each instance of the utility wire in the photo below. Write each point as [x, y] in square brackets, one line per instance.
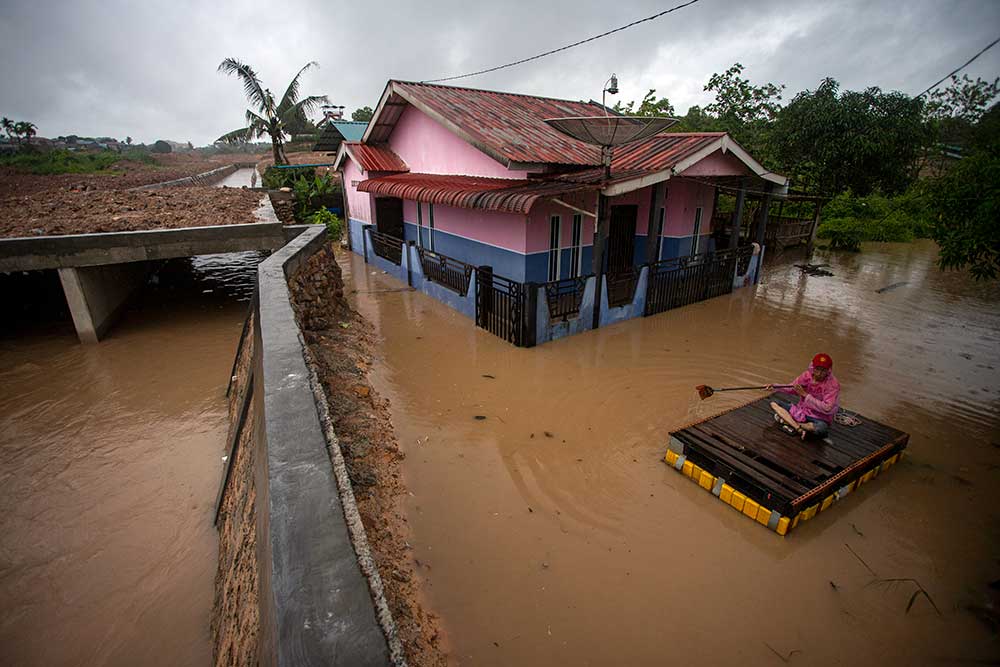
[568, 46]
[960, 68]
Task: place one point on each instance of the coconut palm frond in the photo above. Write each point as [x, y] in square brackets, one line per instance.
[236, 136]
[291, 95]
[302, 107]
[251, 84]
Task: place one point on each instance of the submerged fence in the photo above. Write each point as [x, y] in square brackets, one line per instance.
[508, 308]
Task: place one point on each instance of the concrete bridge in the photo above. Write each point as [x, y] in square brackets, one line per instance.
[99, 272]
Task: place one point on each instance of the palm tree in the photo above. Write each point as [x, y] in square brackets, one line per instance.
[269, 118]
[8, 126]
[26, 130]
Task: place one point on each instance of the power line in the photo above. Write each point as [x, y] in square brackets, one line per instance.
[568, 46]
[959, 69]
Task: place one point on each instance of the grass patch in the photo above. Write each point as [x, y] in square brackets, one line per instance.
[46, 163]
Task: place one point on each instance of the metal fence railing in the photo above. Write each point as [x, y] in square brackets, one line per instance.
[621, 286]
[387, 247]
[446, 271]
[685, 280]
[564, 297]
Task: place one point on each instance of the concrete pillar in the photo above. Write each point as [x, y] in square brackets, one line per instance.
[656, 202]
[96, 294]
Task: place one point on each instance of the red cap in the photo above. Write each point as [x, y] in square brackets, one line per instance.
[822, 360]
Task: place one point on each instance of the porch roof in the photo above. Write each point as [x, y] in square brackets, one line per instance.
[370, 157]
[473, 192]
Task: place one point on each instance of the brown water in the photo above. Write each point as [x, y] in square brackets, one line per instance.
[110, 459]
[583, 548]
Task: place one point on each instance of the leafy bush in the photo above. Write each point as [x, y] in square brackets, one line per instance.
[313, 194]
[848, 220]
[60, 162]
[161, 147]
[275, 178]
[334, 225]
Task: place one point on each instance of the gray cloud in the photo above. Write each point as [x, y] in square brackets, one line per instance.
[120, 68]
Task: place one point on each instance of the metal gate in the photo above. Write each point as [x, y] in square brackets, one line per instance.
[500, 306]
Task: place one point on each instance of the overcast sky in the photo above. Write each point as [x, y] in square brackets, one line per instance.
[148, 69]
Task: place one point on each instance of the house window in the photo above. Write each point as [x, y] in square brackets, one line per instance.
[697, 231]
[659, 233]
[430, 225]
[576, 252]
[420, 225]
[554, 224]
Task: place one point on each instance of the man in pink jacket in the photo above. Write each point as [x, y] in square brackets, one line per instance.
[819, 400]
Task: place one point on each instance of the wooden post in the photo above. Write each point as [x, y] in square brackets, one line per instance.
[815, 227]
[347, 212]
[734, 237]
[762, 220]
[600, 238]
[655, 203]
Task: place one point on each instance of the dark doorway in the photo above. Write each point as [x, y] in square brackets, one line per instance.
[389, 216]
[621, 238]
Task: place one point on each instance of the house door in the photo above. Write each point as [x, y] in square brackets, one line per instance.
[389, 216]
[621, 238]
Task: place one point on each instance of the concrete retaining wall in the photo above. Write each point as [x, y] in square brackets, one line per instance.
[204, 178]
[314, 603]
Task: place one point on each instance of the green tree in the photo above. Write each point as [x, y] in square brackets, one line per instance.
[269, 117]
[363, 114]
[161, 146]
[650, 106]
[744, 110]
[966, 204]
[128, 140]
[859, 140]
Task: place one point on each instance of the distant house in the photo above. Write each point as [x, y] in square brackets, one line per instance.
[477, 178]
[333, 132]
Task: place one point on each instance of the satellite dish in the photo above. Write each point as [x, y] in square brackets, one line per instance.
[608, 131]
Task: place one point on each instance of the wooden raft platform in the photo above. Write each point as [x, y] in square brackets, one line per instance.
[743, 457]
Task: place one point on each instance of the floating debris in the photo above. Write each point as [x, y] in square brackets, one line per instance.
[814, 269]
[480, 417]
[889, 288]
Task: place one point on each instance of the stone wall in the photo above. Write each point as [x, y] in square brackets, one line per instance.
[235, 616]
[290, 588]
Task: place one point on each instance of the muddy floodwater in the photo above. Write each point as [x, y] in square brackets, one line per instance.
[239, 179]
[551, 532]
[110, 460]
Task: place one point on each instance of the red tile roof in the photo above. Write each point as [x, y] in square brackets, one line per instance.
[663, 151]
[489, 194]
[507, 125]
[375, 158]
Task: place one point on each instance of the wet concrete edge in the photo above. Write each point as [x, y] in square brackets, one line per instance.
[316, 605]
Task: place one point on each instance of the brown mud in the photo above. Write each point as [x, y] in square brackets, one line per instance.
[343, 345]
[123, 175]
[72, 212]
[551, 532]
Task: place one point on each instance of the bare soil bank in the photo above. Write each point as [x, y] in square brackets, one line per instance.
[125, 174]
[342, 343]
[74, 212]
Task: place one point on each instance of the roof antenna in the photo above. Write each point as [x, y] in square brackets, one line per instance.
[613, 89]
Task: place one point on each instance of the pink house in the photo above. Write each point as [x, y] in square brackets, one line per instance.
[477, 176]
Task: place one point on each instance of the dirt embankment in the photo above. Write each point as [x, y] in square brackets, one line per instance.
[343, 344]
[123, 175]
[73, 212]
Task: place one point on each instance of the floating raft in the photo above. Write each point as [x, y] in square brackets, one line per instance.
[744, 458]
